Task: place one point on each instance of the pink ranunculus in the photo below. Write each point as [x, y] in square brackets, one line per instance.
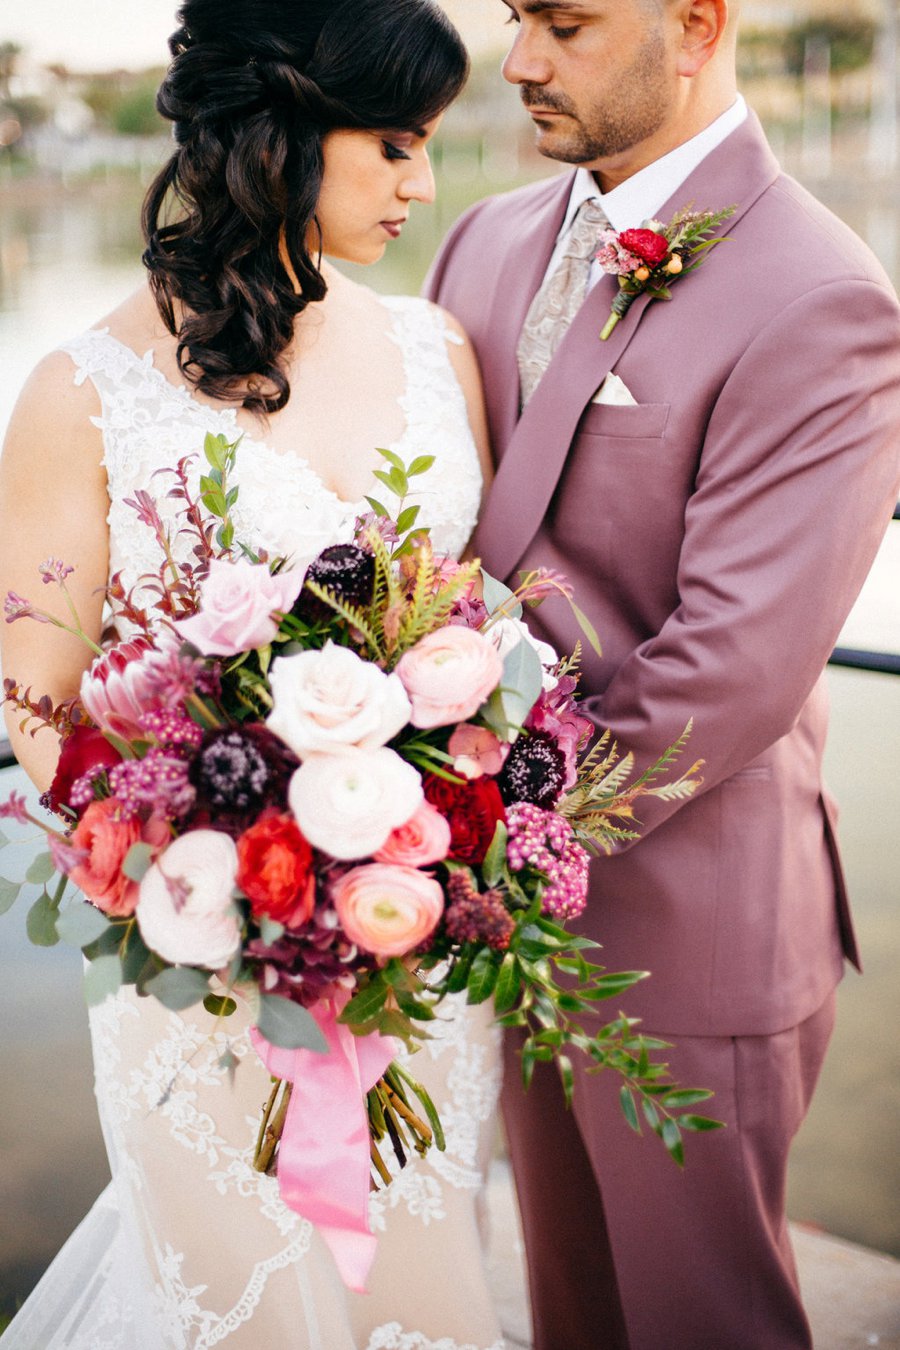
[348, 804]
[448, 675]
[186, 911]
[386, 910]
[326, 700]
[476, 751]
[104, 837]
[118, 688]
[237, 601]
[422, 840]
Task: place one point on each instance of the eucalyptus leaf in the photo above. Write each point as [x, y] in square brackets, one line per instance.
[9, 893]
[81, 924]
[102, 979]
[497, 595]
[41, 922]
[219, 1005]
[135, 957]
[270, 931]
[288, 1025]
[179, 987]
[522, 682]
[137, 861]
[41, 870]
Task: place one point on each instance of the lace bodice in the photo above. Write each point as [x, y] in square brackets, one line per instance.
[190, 1248]
[149, 424]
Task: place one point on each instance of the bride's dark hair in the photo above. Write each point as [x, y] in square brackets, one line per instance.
[253, 88]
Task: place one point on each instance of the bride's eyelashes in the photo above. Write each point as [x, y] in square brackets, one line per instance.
[392, 151]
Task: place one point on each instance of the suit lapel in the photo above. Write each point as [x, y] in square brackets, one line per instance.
[737, 172]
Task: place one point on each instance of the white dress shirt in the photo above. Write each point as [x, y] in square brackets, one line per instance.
[641, 196]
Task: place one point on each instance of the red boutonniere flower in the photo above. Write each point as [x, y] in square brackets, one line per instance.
[651, 258]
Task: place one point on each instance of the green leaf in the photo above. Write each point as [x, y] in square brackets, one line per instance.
[407, 519]
[219, 1005]
[671, 1137]
[40, 924]
[420, 465]
[497, 595]
[378, 508]
[270, 931]
[700, 1124]
[137, 861]
[102, 979]
[9, 892]
[367, 1003]
[41, 870]
[681, 1097]
[215, 448]
[522, 682]
[495, 858]
[288, 1025]
[509, 982]
[586, 627]
[179, 987]
[81, 924]
[608, 986]
[650, 1114]
[458, 978]
[391, 457]
[567, 1075]
[629, 1110]
[483, 976]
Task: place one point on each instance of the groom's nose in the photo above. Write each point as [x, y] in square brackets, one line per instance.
[526, 62]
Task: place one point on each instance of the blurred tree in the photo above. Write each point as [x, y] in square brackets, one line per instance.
[852, 42]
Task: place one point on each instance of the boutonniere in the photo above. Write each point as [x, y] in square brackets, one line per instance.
[648, 260]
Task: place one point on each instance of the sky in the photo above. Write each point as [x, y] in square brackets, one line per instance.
[133, 33]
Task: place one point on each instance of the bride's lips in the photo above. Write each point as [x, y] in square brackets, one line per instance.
[393, 227]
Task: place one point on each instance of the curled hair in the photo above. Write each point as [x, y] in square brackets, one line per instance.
[253, 87]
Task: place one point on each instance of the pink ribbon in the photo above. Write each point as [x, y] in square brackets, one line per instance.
[323, 1157]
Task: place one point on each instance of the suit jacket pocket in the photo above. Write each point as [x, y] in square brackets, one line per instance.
[642, 421]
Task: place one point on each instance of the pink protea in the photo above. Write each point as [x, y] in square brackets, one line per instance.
[122, 685]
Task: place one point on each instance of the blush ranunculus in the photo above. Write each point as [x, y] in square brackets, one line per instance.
[647, 244]
[422, 840]
[237, 601]
[472, 811]
[448, 675]
[275, 871]
[106, 838]
[186, 910]
[84, 749]
[386, 910]
[328, 699]
[348, 804]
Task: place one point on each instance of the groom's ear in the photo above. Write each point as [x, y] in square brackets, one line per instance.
[702, 26]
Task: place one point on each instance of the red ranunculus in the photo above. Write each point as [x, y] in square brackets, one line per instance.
[472, 811]
[85, 748]
[275, 870]
[647, 244]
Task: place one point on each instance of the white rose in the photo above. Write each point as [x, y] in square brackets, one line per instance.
[506, 634]
[185, 910]
[348, 804]
[330, 699]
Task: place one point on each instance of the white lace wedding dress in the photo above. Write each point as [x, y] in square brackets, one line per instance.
[189, 1247]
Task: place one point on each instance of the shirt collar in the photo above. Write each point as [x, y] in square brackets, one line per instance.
[641, 196]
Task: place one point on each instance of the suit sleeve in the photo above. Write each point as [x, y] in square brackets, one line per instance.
[798, 477]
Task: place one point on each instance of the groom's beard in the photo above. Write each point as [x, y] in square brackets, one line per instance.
[635, 109]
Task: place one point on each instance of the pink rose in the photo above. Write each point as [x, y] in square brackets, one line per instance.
[348, 804]
[448, 675]
[186, 911]
[388, 910]
[237, 601]
[423, 839]
[476, 751]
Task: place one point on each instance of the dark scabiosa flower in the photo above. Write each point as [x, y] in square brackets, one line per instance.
[535, 771]
[477, 916]
[238, 772]
[347, 570]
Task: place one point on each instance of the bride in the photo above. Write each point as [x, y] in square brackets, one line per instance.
[301, 130]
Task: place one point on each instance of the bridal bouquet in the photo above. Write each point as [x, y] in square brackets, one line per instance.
[338, 788]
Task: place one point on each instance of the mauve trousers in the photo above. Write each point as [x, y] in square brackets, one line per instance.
[626, 1252]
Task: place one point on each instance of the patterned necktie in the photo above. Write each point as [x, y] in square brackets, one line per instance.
[560, 298]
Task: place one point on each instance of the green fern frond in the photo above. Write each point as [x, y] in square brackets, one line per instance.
[354, 616]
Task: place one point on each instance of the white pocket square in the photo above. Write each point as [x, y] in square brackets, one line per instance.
[616, 392]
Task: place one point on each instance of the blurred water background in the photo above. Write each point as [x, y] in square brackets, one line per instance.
[76, 152]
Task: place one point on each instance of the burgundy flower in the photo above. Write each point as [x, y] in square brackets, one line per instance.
[85, 751]
[472, 811]
[647, 244]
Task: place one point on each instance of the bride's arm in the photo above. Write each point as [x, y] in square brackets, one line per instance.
[53, 505]
[465, 363]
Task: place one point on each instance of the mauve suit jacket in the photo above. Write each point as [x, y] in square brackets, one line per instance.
[717, 534]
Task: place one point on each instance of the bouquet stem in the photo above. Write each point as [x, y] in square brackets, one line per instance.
[271, 1126]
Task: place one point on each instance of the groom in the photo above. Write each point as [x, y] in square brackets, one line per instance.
[716, 505]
